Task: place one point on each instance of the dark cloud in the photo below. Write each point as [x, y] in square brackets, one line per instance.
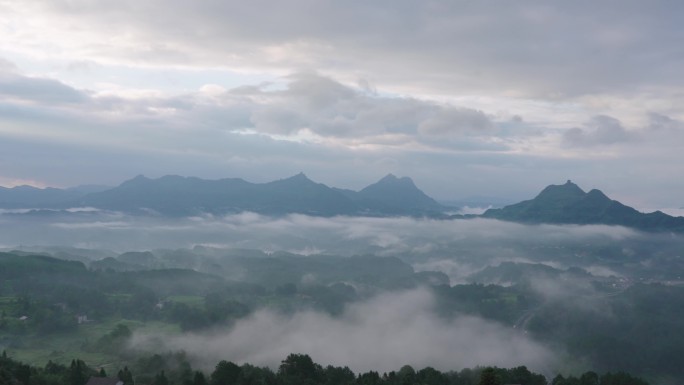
[17, 87]
[448, 121]
[601, 130]
[660, 122]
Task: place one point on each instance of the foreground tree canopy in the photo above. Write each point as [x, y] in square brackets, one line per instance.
[296, 369]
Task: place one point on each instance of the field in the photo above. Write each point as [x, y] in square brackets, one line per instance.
[83, 343]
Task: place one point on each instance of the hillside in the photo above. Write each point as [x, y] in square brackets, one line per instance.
[569, 204]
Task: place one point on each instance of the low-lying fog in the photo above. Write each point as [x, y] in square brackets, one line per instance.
[296, 233]
[379, 334]
[387, 329]
[455, 247]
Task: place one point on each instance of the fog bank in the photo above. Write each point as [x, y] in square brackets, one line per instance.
[382, 334]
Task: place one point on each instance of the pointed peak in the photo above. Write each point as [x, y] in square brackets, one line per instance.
[138, 179]
[562, 191]
[298, 178]
[393, 179]
[597, 194]
[301, 176]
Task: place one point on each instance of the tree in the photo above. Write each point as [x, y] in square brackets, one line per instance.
[160, 379]
[299, 368]
[488, 377]
[589, 378]
[369, 378]
[225, 373]
[199, 379]
[430, 376]
[78, 373]
[406, 375]
[338, 376]
[558, 380]
[126, 376]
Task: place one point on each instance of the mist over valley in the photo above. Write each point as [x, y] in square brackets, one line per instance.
[364, 292]
[341, 192]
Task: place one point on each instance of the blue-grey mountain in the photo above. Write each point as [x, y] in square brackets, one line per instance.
[182, 196]
[569, 204]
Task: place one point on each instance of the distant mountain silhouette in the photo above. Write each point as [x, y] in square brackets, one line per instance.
[181, 196]
[392, 196]
[569, 204]
[34, 197]
[174, 195]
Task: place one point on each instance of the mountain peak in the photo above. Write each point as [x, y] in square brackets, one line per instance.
[391, 191]
[391, 179]
[137, 180]
[301, 177]
[567, 203]
[597, 193]
[564, 192]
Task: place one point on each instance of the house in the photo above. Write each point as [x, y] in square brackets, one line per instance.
[104, 381]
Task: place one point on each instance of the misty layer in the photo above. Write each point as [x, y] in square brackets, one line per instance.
[372, 335]
[339, 235]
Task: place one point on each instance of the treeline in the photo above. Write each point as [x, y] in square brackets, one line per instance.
[296, 369]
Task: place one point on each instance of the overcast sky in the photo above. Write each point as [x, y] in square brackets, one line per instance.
[493, 98]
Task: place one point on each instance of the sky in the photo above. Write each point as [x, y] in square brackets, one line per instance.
[468, 98]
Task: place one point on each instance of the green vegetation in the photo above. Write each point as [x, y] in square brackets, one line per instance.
[296, 369]
[55, 310]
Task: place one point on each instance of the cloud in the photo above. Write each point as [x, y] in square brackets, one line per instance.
[337, 133]
[329, 109]
[659, 123]
[383, 333]
[557, 49]
[17, 87]
[454, 120]
[7, 66]
[600, 130]
[309, 109]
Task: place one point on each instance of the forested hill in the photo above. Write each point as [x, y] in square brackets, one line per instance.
[569, 204]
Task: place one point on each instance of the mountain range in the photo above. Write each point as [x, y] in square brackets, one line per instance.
[174, 195]
[178, 196]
